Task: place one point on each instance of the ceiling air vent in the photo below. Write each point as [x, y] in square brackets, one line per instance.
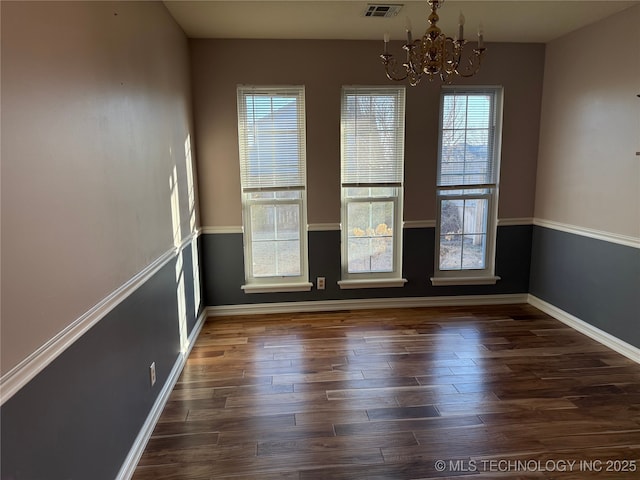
[379, 10]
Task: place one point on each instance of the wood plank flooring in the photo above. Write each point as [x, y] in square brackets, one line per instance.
[477, 392]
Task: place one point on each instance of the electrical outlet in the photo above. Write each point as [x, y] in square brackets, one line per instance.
[152, 373]
[320, 283]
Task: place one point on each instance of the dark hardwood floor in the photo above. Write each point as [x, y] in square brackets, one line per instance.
[485, 392]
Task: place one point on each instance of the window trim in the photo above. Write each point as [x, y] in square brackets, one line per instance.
[470, 276]
[252, 284]
[273, 284]
[467, 276]
[393, 278]
[371, 279]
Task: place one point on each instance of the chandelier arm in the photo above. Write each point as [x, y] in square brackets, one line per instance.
[414, 77]
[391, 68]
[473, 64]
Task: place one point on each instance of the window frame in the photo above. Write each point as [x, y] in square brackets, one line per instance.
[372, 279]
[471, 276]
[273, 283]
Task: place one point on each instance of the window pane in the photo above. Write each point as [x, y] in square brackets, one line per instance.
[473, 251]
[452, 146]
[454, 112]
[371, 192]
[280, 195]
[451, 217]
[275, 240]
[477, 145]
[466, 139]
[479, 111]
[262, 222]
[450, 252]
[262, 195]
[475, 215]
[463, 232]
[288, 218]
[288, 195]
[263, 254]
[370, 237]
[466, 191]
[288, 258]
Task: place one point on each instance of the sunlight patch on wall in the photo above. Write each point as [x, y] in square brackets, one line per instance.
[177, 241]
[191, 197]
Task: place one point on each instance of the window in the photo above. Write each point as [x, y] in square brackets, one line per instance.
[271, 133]
[467, 185]
[372, 181]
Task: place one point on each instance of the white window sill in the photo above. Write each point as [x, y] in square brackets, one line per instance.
[372, 283]
[484, 280]
[277, 287]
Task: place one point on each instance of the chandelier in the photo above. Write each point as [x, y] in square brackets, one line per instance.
[435, 54]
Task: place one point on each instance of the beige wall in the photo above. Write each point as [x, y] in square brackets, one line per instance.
[95, 113]
[588, 174]
[218, 66]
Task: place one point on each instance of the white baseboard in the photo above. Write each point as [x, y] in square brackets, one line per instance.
[606, 339]
[140, 443]
[360, 304]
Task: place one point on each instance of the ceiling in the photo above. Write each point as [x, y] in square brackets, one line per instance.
[503, 21]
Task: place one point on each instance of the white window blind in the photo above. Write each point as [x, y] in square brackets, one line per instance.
[467, 142]
[372, 136]
[271, 128]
